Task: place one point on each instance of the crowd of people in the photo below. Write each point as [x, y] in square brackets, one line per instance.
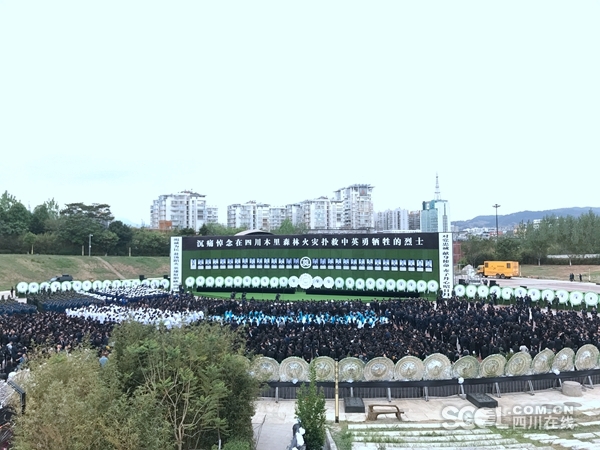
[420, 327]
[279, 329]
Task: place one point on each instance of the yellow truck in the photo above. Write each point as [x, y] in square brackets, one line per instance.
[499, 269]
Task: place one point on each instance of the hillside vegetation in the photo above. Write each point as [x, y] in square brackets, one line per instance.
[38, 268]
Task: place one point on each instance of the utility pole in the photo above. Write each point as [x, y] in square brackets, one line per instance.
[90, 245]
[496, 206]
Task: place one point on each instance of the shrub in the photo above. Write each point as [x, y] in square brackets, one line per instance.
[310, 409]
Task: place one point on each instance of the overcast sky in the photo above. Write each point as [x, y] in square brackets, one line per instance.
[120, 101]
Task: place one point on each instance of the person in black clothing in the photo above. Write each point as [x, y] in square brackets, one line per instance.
[411, 327]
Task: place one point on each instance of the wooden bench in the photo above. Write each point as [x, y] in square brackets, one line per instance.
[384, 409]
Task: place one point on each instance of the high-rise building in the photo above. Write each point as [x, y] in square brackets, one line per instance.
[321, 214]
[357, 206]
[351, 208]
[212, 214]
[185, 209]
[435, 217]
[277, 215]
[392, 220]
[294, 213]
[414, 220]
[250, 215]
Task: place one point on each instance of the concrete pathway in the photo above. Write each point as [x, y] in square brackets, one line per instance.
[273, 420]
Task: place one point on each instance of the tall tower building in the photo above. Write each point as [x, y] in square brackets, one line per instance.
[435, 217]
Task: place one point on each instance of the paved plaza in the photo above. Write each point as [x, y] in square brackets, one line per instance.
[520, 411]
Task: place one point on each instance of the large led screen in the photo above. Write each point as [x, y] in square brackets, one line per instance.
[322, 259]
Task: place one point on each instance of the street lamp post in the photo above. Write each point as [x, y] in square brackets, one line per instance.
[496, 206]
[90, 245]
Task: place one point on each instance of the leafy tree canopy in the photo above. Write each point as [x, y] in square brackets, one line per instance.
[15, 221]
[185, 388]
[217, 229]
[44, 217]
[184, 232]
[287, 227]
[99, 212]
[6, 201]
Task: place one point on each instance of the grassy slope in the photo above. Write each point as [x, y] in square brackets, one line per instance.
[17, 268]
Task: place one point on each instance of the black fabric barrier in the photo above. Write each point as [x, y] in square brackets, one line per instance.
[437, 388]
[450, 382]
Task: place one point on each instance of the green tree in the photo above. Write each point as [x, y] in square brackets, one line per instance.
[204, 230]
[39, 218]
[100, 212]
[78, 220]
[566, 238]
[536, 241]
[310, 409]
[161, 389]
[589, 226]
[44, 217]
[6, 201]
[106, 240]
[48, 244]
[287, 227]
[29, 240]
[74, 230]
[196, 374]
[184, 232]
[476, 250]
[125, 235]
[190, 397]
[14, 221]
[147, 242]
[217, 229]
[508, 249]
[73, 404]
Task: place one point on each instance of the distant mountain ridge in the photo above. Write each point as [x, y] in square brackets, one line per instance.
[510, 220]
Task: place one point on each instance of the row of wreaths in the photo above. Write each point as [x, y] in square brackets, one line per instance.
[563, 296]
[471, 291]
[55, 286]
[434, 367]
[307, 281]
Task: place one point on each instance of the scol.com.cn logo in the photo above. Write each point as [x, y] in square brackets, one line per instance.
[522, 416]
[469, 417]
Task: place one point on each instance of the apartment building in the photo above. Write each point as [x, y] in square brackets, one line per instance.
[186, 209]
